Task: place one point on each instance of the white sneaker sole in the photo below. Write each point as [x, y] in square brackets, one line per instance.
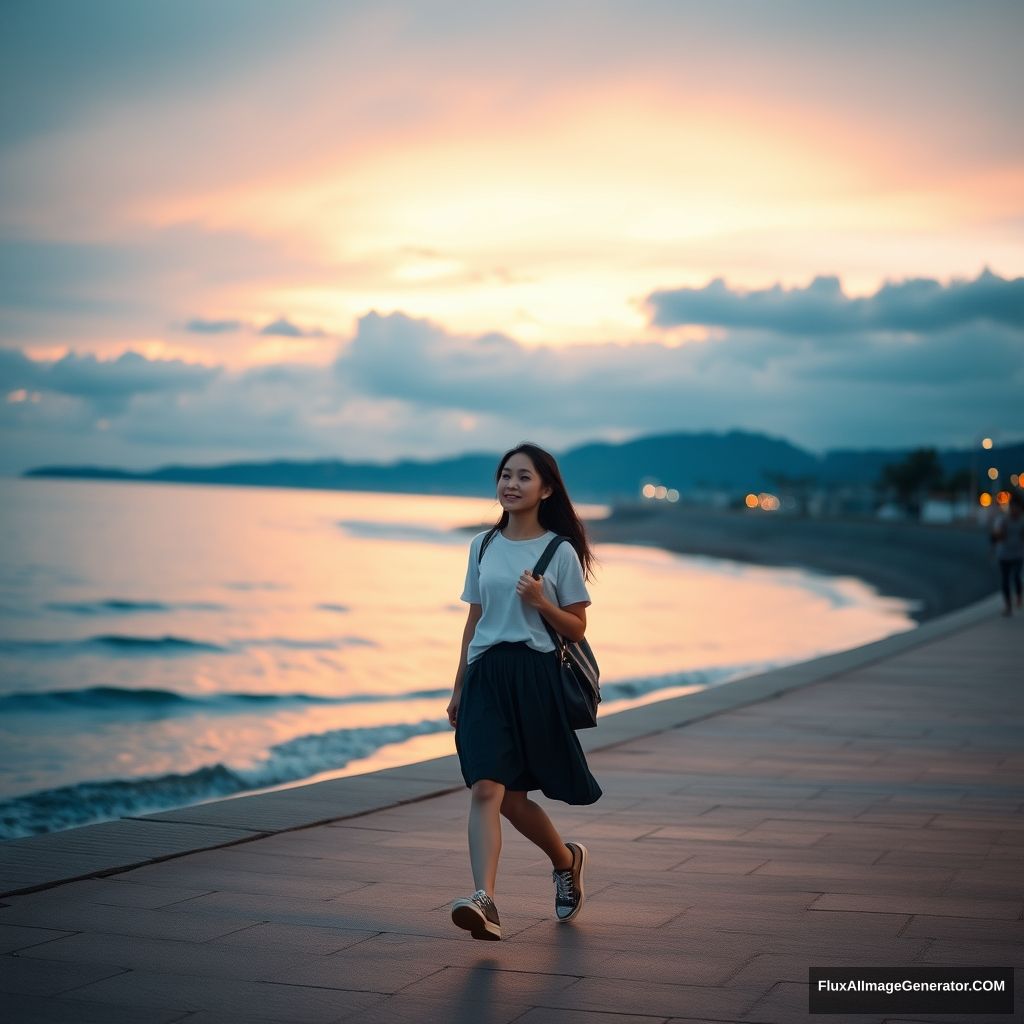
[466, 914]
[583, 868]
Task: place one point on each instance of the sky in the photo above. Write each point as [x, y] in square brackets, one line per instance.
[244, 230]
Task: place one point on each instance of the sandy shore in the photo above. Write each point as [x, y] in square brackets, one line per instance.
[939, 567]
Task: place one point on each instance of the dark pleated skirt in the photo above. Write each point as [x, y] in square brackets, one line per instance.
[512, 726]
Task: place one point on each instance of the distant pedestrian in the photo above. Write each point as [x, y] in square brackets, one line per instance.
[507, 708]
[1008, 540]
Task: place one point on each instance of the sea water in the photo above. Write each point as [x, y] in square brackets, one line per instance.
[163, 644]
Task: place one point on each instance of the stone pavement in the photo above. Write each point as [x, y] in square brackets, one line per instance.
[861, 810]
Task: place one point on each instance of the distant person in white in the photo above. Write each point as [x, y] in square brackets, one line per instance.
[1008, 540]
[508, 707]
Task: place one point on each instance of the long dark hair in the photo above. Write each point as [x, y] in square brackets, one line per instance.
[556, 512]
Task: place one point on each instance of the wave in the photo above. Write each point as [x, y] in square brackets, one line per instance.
[114, 698]
[126, 702]
[114, 604]
[146, 646]
[86, 802]
[113, 643]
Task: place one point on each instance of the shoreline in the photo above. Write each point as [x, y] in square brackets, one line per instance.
[939, 568]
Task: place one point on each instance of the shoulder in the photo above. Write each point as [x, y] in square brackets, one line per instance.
[565, 555]
[477, 541]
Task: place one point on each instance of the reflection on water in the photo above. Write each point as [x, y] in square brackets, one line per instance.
[170, 644]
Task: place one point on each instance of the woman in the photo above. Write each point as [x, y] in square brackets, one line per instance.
[1008, 541]
[507, 708]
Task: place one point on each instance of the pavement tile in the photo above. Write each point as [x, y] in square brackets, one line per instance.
[1010, 822]
[262, 1001]
[40, 977]
[967, 930]
[355, 973]
[330, 872]
[695, 968]
[209, 880]
[936, 858]
[989, 954]
[643, 997]
[16, 937]
[823, 925]
[481, 984]
[160, 924]
[310, 939]
[453, 1009]
[938, 906]
[32, 1009]
[720, 865]
[412, 895]
[549, 1015]
[116, 891]
[168, 956]
[846, 871]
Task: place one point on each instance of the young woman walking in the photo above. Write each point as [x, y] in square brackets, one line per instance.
[511, 729]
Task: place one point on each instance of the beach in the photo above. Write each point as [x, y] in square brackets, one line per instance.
[939, 567]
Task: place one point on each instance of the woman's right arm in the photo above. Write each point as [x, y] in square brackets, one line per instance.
[475, 611]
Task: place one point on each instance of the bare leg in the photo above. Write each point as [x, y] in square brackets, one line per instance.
[533, 822]
[485, 833]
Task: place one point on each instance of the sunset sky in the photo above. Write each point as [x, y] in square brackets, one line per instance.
[240, 229]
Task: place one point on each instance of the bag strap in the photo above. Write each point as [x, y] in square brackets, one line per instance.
[545, 559]
[483, 544]
[538, 570]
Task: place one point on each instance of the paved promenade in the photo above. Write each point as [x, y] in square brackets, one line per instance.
[863, 809]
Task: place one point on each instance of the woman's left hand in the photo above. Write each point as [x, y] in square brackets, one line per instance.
[531, 590]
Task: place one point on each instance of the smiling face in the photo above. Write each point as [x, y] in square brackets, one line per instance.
[520, 487]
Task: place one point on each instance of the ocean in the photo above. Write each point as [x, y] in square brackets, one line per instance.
[164, 644]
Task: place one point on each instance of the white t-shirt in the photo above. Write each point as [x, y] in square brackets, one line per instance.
[1012, 544]
[491, 583]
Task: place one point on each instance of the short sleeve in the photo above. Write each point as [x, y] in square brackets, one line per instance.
[570, 584]
[471, 590]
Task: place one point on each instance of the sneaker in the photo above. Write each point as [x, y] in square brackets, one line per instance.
[478, 915]
[569, 884]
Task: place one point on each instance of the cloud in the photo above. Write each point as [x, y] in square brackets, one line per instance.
[285, 328]
[108, 385]
[199, 326]
[803, 387]
[18, 371]
[920, 305]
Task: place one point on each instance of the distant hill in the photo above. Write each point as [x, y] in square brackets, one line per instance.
[734, 461]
